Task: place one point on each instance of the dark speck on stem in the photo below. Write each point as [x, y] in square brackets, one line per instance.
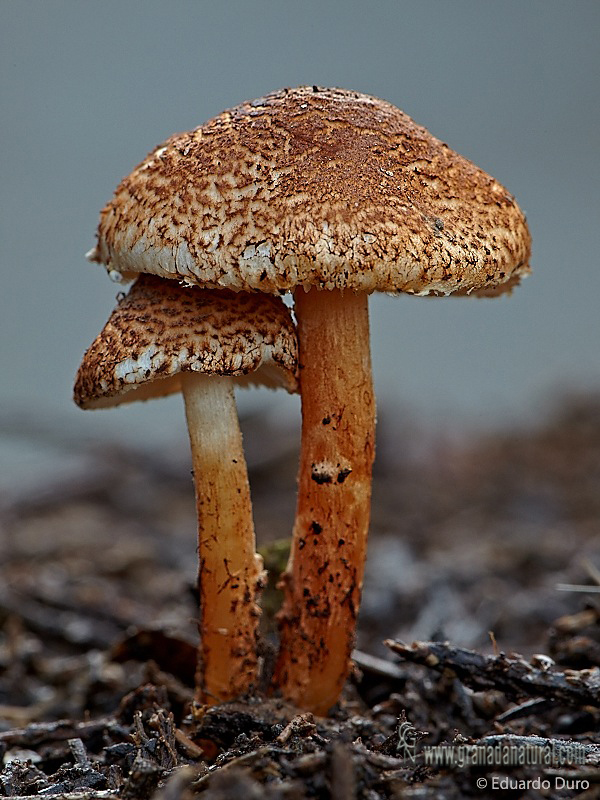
[343, 474]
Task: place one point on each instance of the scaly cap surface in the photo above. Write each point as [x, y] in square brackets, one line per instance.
[160, 329]
[315, 187]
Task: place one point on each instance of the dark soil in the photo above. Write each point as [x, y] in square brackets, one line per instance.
[476, 555]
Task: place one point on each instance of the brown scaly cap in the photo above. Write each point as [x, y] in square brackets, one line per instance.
[315, 187]
[160, 329]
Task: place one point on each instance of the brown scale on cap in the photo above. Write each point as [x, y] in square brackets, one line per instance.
[161, 329]
[315, 187]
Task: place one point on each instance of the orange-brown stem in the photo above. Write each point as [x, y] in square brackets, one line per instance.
[323, 580]
[230, 572]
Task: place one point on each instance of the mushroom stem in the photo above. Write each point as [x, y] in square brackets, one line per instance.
[230, 571]
[323, 579]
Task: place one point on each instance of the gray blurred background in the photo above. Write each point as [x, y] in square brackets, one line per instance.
[88, 88]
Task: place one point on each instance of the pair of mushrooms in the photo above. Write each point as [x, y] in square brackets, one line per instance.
[331, 195]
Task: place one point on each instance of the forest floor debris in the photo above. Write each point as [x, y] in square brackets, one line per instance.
[473, 546]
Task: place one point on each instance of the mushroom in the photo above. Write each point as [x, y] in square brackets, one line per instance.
[163, 338]
[331, 194]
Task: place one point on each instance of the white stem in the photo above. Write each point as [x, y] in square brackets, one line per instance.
[230, 571]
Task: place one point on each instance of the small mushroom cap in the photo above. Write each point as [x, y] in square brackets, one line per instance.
[160, 329]
[315, 187]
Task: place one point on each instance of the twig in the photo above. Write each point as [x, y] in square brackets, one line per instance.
[343, 777]
[80, 794]
[577, 587]
[78, 751]
[300, 725]
[592, 570]
[524, 709]
[510, 674]
[61, 730]
[191, 748]
[377, 666]
[558, 746]
[245, 760]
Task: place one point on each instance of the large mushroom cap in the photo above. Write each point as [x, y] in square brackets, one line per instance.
[159, 330]
[315, 187]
